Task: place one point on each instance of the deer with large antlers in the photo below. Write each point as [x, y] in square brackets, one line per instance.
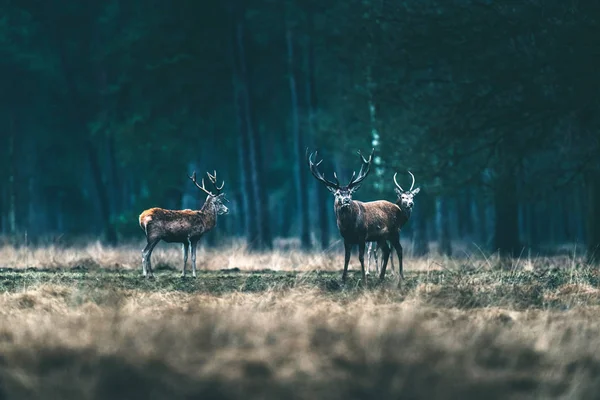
[182, 226]
[361, 222]
[406, 202]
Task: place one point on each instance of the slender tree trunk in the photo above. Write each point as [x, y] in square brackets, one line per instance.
[506, 227]
[244, 144]
[12, 187]
[115, 186]
[479, 216]
[593, 218]
[255, 150]
[375, 137]
[465, 218]
[254, 145]
[2, 215]
[322, 202]
[110, 233]
[241, 227]
[580, 217]
[299, 149]
[35, 225]
[262, 195]
[443, 226]
[419, 224]
[249, 203]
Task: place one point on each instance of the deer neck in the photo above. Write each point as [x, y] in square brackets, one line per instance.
[404, 212]
[209, 210]
[346, 216]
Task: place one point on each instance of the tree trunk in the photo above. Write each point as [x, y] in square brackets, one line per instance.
[593, 218]
[2, 216]
[299, 150]
[506, 227]
[254, 145]
[312, 104]
[115, 182]
[478, 213]
[375, 138]
[465, 218]
[110, 233]
[443, 226]
[419, 225]
[245, 148]
[12, 186]
[261, 190]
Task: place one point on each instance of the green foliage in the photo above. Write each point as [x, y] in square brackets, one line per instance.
[465, 94]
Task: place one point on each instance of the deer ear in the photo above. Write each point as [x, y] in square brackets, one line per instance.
[398, 192]
[331, 189]
[355, 188]
[417, 190]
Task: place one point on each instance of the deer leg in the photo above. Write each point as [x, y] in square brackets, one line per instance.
[193, 244]
[398, 247]
[186, 247]
[361, 258]
[146, 254]
[369, 256]
[376, 245]
[391, 265]
[386, 255]
[347, 251]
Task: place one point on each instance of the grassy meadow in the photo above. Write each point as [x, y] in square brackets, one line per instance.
[81, 323]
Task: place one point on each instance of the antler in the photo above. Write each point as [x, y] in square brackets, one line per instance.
[317, 174]
[364, 170]
[193, 178]
[413, 181]
[400, 187]
[213, 180]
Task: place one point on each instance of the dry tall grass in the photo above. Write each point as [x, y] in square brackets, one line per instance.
[237, 256]
[57, 342]
[461, 328]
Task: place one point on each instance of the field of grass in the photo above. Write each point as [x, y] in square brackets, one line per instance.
[81, 323]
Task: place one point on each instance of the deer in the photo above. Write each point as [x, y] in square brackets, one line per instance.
[182, 226]
[361, 222]
[405, 201]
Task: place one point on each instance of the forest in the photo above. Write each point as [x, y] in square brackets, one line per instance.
[109, 106]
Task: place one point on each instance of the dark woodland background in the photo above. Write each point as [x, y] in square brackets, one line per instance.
[108, 106]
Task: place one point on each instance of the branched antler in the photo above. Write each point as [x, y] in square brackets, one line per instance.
[364, 170]
[317, 174]
[400, 187]
[213, 180]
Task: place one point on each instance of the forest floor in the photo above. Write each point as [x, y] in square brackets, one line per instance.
[93, 328]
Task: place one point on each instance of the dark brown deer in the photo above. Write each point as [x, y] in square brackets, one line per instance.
[182, 226]
[361, 222]
[405, 201]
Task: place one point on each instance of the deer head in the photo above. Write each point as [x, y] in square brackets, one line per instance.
[343, 194]
[216, 198]
[405, 197]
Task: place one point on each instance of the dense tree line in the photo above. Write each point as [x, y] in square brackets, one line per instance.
[107, 106]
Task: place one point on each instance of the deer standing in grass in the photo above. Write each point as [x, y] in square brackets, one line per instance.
[361, 222]
[405, 201]
[182, 226]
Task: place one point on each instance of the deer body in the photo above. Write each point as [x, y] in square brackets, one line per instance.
[405, 203]
[361, 222]
[180, 226]
[367, 221]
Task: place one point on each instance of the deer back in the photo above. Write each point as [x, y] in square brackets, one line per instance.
[368, 221]
[175, 225]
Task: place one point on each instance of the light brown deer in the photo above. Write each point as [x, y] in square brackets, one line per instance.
[182, 226]
[405, 201]
[361, 222]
